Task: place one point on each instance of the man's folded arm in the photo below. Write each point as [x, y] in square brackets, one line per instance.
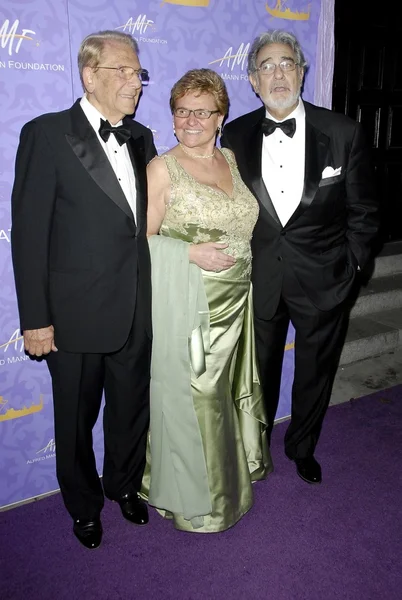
[362, 204]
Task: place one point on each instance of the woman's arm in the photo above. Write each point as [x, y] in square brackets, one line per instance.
[158, 194]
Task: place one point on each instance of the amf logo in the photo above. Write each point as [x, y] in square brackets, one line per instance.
[233, 59]
[12, 38]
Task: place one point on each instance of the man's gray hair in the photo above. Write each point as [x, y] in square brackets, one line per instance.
[91, 48]
[276, 36]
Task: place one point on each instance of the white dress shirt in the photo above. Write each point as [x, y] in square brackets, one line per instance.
[282, 165]
[118, 156]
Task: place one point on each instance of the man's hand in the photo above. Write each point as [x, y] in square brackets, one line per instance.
[38, 342]
[209, 256]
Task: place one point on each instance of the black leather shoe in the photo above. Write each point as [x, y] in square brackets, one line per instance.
[89, 533]
[133, 508]
[308, 469]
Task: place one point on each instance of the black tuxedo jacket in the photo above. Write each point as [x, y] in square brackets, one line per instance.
[332, 230]
[80, 258]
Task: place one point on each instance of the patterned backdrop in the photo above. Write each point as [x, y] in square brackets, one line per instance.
[39, 41]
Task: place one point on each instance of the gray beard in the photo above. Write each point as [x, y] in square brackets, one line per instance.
[281, 103]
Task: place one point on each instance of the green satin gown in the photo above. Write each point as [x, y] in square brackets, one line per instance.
[227, 397]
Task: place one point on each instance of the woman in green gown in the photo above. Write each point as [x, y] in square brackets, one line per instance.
[208, 427]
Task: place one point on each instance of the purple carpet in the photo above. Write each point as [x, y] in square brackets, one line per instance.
[342, 539]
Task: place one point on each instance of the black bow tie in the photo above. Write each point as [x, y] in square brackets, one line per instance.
[121, 133]
[289, 127]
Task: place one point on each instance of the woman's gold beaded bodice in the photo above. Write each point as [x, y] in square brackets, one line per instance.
[200, 213]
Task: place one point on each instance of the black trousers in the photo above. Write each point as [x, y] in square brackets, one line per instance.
[318, 344]
[78, 381]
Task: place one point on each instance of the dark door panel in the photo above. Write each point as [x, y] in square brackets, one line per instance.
[368, 87]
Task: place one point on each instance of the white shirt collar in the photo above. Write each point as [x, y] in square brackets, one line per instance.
[298, 113]
[92, 113]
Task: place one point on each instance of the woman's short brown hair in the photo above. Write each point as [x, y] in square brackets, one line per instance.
[201, 81]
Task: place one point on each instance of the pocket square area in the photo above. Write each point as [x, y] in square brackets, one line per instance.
[330, 172]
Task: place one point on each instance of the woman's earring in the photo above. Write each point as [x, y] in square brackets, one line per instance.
[174, 128]
[219, 130]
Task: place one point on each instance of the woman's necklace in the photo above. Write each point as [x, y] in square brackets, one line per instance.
[197, 155]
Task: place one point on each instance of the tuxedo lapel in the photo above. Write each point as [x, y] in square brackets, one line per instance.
[253, 161]
[86, 146]
[136, 150]
[316, 158]
[317, 146]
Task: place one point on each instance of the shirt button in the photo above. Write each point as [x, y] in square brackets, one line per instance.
[279, 258]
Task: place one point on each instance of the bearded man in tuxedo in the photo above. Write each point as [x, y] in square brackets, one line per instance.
[310, 170]
[82, 273]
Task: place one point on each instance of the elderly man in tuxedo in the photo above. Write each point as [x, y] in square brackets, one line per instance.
[310, 171]
[82, 273]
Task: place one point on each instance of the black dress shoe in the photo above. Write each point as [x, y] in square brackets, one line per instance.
[89, 533]
[308, 469]
[133, 508]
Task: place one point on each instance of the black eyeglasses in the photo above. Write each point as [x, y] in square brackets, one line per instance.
[270, 68]
[128, 72]
[199, 113]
